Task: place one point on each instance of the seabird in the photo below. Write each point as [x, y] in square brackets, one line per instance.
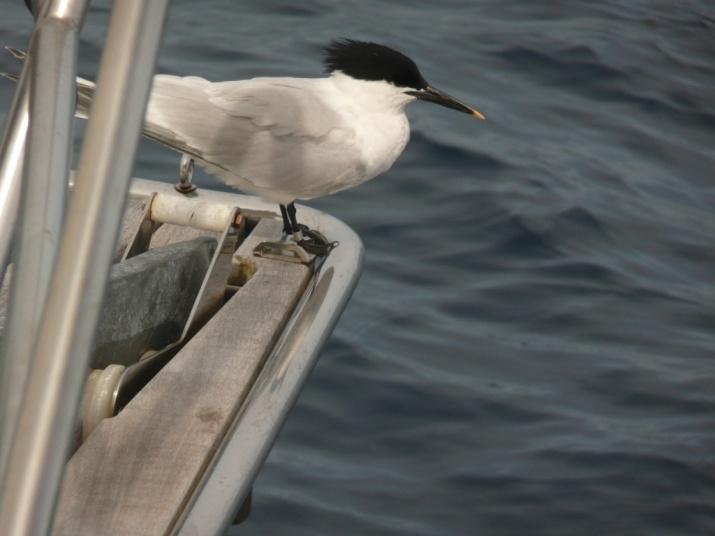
[294, 138]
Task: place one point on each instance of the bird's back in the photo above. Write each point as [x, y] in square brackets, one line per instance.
[283, 138]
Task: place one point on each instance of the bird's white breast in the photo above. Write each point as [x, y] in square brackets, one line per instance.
[375, 111]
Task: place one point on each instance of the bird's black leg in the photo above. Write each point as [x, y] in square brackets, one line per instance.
[287, 227]
[292, 220]
[310, 240]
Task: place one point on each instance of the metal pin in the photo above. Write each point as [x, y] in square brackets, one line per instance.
[186, 171]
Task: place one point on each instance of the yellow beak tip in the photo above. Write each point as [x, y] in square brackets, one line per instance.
[478, 115]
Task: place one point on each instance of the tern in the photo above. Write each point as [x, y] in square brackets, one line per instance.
[288, 139]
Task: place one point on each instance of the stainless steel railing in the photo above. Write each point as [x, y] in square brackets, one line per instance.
[58, 349]
[48, 86]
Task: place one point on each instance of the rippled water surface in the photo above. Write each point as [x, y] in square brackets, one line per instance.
[531, 349]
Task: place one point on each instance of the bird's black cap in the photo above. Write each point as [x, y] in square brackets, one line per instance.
[371, 61]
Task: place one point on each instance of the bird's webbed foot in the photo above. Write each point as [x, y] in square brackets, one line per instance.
[314, 242]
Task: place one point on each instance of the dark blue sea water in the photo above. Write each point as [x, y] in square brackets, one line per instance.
[531, 349]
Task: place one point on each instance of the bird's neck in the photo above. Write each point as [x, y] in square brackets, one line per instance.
[375, 113]
[366, 97]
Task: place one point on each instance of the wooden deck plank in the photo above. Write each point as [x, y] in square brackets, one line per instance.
[135, 472]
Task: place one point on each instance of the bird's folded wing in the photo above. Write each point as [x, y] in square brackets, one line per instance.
[267, 131]
[285, 106]
[178, 113]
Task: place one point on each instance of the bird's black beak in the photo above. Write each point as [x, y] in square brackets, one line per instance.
[439, 97]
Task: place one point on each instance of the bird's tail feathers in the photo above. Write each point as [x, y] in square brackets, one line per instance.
[85, 94]
[18, 55]
[9, 76]
[85, 88]
[152, 129]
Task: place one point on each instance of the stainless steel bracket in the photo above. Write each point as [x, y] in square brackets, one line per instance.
[283, 251]
[141, 239]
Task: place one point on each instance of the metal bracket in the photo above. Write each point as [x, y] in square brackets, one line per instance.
[208, 300]
[141, 240]
[283, 251]
[211, 294]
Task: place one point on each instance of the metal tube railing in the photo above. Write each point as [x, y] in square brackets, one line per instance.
[12, 156]
[52, 67]
[61, 355]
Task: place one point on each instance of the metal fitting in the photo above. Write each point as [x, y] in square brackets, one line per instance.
[186, 171]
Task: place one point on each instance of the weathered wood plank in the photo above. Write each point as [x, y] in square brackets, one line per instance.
[136, 470]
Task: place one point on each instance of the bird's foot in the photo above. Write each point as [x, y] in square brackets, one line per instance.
[314, 242]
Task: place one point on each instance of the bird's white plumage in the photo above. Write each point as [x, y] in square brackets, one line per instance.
[292, 138]
[282, 138]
